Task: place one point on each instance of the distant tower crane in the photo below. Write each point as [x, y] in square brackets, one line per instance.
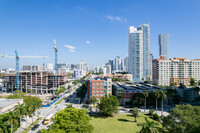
[56, 66]
[17, 64]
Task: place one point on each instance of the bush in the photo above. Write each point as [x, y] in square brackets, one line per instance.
[156, 117]
[151, 111]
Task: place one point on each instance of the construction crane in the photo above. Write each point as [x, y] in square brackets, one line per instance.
[17, 64]
[56, 66]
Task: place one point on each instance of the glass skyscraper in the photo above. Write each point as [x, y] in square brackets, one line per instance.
[138, 52]
[163, 45]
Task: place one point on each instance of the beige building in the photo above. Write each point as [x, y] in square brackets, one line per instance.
[176, 70]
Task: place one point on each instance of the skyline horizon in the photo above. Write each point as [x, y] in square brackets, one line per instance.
[94, 32]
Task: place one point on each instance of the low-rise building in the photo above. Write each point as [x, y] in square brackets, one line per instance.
[188, 94]
[99, 87]
[130, 89]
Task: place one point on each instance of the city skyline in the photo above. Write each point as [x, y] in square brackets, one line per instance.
[83, 29]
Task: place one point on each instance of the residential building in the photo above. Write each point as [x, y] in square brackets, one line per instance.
[76, 74]
[176, 70]
[188, 94]
[126, 64]
[163, 45]
[138, 51]
[118, 64]
[112, 64]
[99, 87]
[83, 68]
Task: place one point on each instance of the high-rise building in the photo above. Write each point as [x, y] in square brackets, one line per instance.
[163, 45]
[138, 51]
[151, 66]
[118, 64]
[126, 64]
[135, 53]
[112, 64]
[176, 70]
[83, 68]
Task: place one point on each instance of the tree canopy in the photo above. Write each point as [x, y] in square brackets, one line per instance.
[182, 119]
[108, 105]
[71, 120]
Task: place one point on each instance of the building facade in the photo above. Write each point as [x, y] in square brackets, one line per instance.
[99, 87]
[176, 70]
[163, 45]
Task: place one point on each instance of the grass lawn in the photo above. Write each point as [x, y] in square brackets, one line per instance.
[124, 123]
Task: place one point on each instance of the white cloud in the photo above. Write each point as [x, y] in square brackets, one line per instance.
[117, 18]
[71, 48]
[88, 42]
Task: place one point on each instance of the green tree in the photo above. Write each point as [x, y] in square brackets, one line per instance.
[149, 127]
[183, 119]
[3, 127]
[108, 105]
[135, 113]
[162, 96]
[93, 100]
[157, 95]
[12, 119]
[71, 120]
[192, 82]
[20, 108]
[146, 94]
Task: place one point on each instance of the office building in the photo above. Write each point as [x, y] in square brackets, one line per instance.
[83, 68]
[76, 74]
[163, 45]
[176, 70]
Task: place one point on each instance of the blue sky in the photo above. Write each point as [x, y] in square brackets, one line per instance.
[94, 30]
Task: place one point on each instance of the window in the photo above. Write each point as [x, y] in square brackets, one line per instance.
[97, 94]
[93, 83]
[97, 83]
[93, 90]
[101, 94]
[101, 90]
[93, 87]
[109, 90]
[93, 94]
[97, 86]
[101, 86]
[97, 90]
[101, 83]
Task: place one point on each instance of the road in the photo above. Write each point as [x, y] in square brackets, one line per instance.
[45, 111]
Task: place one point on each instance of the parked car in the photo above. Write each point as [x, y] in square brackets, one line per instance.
[35, 127]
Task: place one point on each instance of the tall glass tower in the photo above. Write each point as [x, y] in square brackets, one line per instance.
[138, 52]
[163, 45]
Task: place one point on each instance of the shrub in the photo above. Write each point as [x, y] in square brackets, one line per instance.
[151, 111]
[156, 117]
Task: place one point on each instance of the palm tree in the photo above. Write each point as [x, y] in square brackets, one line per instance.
[12, 119]
[157, 95]
[20, 108]
[149, 127]
[135, 113]
[162, 96]
[3, 127]
[146, 94]
[27, 112]
[38, 105]
[33, 109]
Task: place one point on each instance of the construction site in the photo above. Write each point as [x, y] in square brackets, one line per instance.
[34, 81]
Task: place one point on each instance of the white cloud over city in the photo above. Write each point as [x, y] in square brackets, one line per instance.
[116, 18]
[71, 48]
